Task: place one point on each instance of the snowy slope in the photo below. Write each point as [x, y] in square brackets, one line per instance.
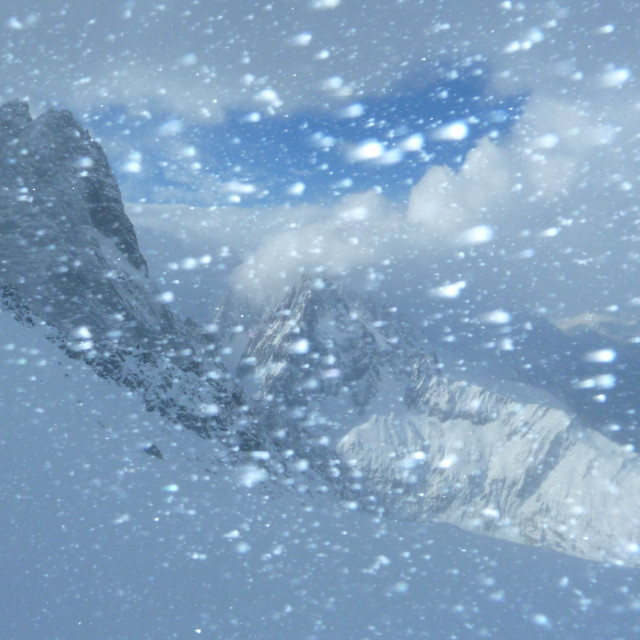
[506, 465]
[103, 540]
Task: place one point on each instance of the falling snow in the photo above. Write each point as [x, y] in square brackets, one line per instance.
[298, 299]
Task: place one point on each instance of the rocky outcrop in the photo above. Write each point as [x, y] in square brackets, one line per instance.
[70, 260]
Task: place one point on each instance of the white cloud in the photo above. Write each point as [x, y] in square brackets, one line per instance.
[559, 196]
[545, 216]
[445, 203]
[362, 230]
[566, 168]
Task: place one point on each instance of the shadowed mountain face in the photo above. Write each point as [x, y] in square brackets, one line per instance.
[45, 157]
[66, 240]
[69, 258]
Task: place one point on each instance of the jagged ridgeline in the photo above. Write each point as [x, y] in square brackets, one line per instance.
[69, 257]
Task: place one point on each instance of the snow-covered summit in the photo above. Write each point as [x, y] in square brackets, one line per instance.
[505, 466]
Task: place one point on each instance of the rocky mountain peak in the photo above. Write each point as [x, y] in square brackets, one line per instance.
[322, 347]
[309, 298]
[66, 239]
[71, 261]
[57, 149]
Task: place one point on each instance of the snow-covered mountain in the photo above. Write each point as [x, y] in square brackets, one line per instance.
[506, 464]
[324, 404]
[466, 446]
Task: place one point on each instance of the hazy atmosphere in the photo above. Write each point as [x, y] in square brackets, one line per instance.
[489, 148]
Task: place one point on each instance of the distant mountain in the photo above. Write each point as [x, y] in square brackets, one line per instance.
[617, 328]
[437, 436]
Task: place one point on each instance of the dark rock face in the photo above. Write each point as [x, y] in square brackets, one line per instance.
[11, 301]
[54, 154]
[69, 258]
[65, 240]
[320, 345]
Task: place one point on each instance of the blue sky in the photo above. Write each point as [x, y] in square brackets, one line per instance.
[305, 156]
[259, 107]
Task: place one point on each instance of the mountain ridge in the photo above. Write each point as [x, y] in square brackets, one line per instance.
[336, 389]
